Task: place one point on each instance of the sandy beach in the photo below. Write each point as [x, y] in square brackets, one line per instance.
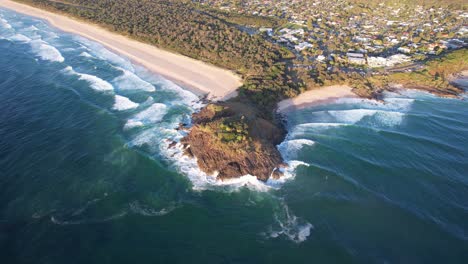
[315, 97]
[198, 76]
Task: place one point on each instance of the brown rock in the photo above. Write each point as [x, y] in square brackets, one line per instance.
[248, 152]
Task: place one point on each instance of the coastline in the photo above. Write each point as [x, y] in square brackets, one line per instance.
[314, 97]
[197, 76]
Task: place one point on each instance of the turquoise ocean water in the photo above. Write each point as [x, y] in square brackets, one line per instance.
[86, 176]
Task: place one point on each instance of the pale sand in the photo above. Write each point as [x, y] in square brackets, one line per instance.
[218, 83]
[315, 97]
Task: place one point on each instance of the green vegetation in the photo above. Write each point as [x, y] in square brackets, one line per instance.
[437, 73]
[233, 130]
[181, 27]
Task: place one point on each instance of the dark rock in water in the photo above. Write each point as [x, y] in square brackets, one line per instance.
[182, 127]
[234, 139]
[172, 144]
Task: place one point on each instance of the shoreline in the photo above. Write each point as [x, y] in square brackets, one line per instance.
[196, 76]
[318, 96]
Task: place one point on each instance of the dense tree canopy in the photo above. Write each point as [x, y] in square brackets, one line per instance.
[182, 27]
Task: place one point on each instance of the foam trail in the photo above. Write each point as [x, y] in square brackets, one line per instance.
[123, 103]
[57, 221]
[46, 51]
[129, 81]
[95, 82]
[140, 209]
[289, 225]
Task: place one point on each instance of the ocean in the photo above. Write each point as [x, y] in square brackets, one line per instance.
[86, 175]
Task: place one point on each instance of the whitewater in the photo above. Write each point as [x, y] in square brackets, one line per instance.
[84, 156]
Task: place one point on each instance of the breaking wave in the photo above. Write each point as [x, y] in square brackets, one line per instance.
[130, 81]
[343, 113]
[46, 51]
[20, 38]
[123, 103]
[4, 24]
[101, 52]
[151, 115]
[290, 148]
[95, 82]
[85, 54]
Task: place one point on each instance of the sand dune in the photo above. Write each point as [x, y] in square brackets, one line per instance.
[316, 96]
[201, 77]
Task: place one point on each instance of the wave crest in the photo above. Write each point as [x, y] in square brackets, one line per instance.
[95, 82]
[46, 51]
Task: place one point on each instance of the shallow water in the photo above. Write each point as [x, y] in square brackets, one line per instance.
[86, 176]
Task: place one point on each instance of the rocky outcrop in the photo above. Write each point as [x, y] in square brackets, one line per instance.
[233, 139]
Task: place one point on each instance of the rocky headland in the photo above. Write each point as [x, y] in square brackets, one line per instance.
[232, 139]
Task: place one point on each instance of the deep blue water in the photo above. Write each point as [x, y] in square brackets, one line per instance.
[86, 176]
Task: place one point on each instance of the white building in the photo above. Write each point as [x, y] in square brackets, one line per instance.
[356, 58]
[303, 45]
[404, 50]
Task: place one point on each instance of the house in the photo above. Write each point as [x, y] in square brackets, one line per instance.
[356, 58]
[404, 50]
[303, 45]
[269, 31]
[320, 58]
[377, 62]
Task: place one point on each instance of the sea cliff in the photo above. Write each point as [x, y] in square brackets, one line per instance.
[232, 139]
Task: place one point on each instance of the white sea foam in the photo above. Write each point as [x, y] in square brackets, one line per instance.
[388, 119]
[373, 117]
[289, 173]
[49, 35]
[4, 24]
[350, 116]
[46, 51]
[57, 221]
[138, 208]
[30, 28]
[289, 149]
[95, 82]
[130, 81]
[101, 52]
[306, 128]
[123, 103]
[151, 115]
[85, 54]
[290, 226]
[391, 101]
[202, 181]
[132, 124]
[20, 38]
[187, 97]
